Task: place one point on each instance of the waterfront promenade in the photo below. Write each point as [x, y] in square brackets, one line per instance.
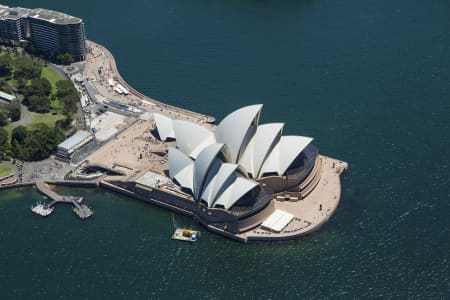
[100, 67]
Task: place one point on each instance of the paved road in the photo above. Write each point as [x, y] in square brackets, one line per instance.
[25, 117]
[48, 169]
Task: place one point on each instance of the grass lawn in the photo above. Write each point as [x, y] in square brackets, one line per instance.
[47, 118]
[5, 170]
[9, 128]
[52, 76]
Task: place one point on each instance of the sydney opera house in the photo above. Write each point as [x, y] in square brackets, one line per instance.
[242, 179]
[235, 165]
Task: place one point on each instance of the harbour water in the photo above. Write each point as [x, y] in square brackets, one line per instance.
[369, 80]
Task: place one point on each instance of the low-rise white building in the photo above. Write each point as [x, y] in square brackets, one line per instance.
[7, 97]
[73, 143]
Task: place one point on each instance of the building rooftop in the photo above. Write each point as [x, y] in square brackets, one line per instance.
[7, 96]
[53, 16]
[13, 13]
[152, 179]
[74, 140]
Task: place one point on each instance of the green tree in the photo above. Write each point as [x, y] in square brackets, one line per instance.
[27, 68]
[58, 134]
[19, 134]
[39, 104]
[13, 109]
[3, 118]
[64, 58]
[4, 145]
[36, 95]
[38, 86]
[6, 65]
[5, 87]
[39, 143]
[60, 58]
[65, 87]
[67, 57]
[69, 104]
[45, 87]
[65, 123]
[29, 48]
[20, 85]
[68, 96]
[16, 150]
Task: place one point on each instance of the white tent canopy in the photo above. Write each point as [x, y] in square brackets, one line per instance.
[278, 220]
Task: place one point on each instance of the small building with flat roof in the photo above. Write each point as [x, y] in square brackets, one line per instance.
[151, 180]
[73, 143]
[7, 97]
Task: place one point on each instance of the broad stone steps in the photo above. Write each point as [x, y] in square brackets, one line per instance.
[313, 180]
[316, 169]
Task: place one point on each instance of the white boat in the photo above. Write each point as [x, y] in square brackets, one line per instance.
[184, 234]
[42, 209]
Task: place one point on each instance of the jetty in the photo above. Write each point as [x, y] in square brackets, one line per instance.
[80, 209]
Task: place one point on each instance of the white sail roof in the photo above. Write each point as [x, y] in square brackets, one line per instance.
[202, 165]
[235, 130]
[191, 137]
[218, 183]
[234, 192]
[246, 148]
[181, 167]
[260, 146]
[165, 126]
[284, 153]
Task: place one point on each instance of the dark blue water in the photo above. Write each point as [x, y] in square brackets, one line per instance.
[369, 80]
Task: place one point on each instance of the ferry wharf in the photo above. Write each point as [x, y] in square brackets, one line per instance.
[81, 210]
